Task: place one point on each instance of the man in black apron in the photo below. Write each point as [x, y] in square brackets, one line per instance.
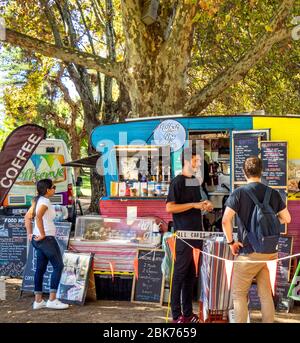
[184, 201]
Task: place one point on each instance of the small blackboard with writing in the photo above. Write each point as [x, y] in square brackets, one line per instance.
[285, 247]
[274, 163]
[62, 236]
[254, 300]
[13, 246]
[245, 144]
[282, 301]
[148, 285]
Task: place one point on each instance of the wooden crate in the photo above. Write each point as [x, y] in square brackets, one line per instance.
[214, 316]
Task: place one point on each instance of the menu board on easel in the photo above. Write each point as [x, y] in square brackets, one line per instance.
[285, 249]
[148, 284]
[244, 145]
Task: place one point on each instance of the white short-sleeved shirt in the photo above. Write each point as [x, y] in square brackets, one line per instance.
[48, 218]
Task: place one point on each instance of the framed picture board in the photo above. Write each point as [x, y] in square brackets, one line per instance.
[148, 285]
[75, 276]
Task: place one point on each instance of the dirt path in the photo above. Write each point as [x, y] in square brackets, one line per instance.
[15, 310]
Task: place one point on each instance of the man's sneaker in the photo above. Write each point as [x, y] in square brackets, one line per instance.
[192, 319]
[38, 306]
[179, 320]
[57, 305]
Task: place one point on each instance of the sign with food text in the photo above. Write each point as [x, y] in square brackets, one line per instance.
[274, 163]
[148, 285]
[13, 246]
[245, 144]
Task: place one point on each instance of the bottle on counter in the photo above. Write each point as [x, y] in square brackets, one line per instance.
[151, 189]
[128, 187]
[156, 235]
[144, 189]
[122, 189]
[158, 189]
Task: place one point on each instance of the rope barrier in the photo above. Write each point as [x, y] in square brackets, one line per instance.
[150, 252]
[235, 261]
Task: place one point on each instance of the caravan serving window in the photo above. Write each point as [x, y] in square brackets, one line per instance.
[216, 158]
[143, 170]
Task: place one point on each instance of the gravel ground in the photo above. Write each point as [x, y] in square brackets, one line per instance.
[19, 310]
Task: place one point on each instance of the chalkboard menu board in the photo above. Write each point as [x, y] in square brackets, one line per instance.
[282, 301]
[254, 301]
[13, 246]
[63, 230]
[149, 284]
[283, 267]
[274, 162]
[245, 144]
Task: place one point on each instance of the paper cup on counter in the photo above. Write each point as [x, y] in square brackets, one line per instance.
[114, 188]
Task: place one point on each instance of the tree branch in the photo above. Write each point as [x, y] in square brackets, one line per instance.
[66, 94]
[134, 29]
[83, 133]
[65, 54]
[58, 121]
[182, 23]
[98, 18]
[52, 22]
[93, 50]
[237, 71]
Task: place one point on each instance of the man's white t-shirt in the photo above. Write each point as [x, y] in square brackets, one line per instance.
[48, 218]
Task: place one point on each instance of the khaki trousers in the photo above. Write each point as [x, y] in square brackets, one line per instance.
[243, 274]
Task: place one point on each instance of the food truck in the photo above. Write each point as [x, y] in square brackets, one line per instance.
[46, 162]
[139, 158]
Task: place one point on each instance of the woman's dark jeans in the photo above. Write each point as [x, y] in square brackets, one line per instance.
[47, 250]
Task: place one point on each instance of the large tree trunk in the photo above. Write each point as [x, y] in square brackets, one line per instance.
[157, 58]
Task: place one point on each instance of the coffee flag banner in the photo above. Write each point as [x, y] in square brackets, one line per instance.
[136, 267]
[16, 151]
[172, 243]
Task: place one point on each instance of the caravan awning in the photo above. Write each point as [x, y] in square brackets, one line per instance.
[86, 162]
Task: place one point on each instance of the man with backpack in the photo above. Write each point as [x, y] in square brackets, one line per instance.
[260, 211]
